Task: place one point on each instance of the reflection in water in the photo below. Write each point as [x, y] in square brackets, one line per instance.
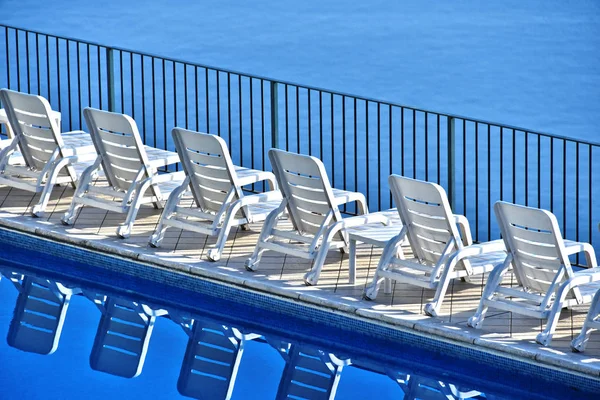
[213, 353]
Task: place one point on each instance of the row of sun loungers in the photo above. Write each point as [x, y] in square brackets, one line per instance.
[213, 353]
[441, 247]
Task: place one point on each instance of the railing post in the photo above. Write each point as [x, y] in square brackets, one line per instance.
[451, 162]
[110, 78]
[274, 116]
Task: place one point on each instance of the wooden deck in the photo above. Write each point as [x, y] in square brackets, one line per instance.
[282, 275]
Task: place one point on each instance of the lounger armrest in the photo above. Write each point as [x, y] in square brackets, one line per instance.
[581, 278]
[474, 250]
[247, 176]
[343, 197]
[273, 195]
[572, 247]
[365, 219]
[465, 229]
[172, 176]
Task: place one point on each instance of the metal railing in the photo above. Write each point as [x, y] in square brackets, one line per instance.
[361, 140]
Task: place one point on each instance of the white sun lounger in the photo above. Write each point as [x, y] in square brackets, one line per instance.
[211, 360]
[216, 188]
[313, 209]
[130, 171]
[39, 314]
[439, 254]
[421, 388]
[40, 156]
[123, 336]
[540, 262]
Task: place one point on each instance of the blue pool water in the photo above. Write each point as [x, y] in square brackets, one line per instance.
[366, 363]
[527, 63]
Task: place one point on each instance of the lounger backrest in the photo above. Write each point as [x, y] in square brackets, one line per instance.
[303, 182]
[532, 237]
[208, 165]
[38, 135]
[424, 209]
[118, 143]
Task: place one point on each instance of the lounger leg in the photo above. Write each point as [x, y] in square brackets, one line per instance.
[312, 277]
[352, 262]
[488, 292]
[388, 253]
[84, 182]
[214, 254]
[40, 207]
[545, 337]
[124, 230]
[432, 309]
[168, 211]
[270, 222]
[578, 344]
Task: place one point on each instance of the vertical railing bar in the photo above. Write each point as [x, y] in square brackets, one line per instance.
[241, 121]
[489, 182]
[378, 155]
[526, 168]
[590, 194]
[390, 142]
[501, 169]
[464, 199]
[69, 85]
[110, 77]
[287, 131]
[414, 143]
[122, 83]
[131, 73]
[426, 116]
[27, 62]
[8, 58]
[439, 155]
[18, 59]
[402, 138]
[539, 183]
[251, 83]
[37, 63]
[298, 119]
[185, 95]
[153, 84]
[274, 93]
[578, 197]
[514, 167]
[79, 85]
[344, 143]
[218, 104]
[58, 73]
[320, 124]
[262, 120]
[309, 123]
[48, 68]
[476, 182]
[451, 169]
[164, 93]
[551, 175]
[229, 107]
[355, 148]
[174, 100]
[564, 174]
[333, 180]
[367, 185]
[196, 96]
[207, 100]
[89, 75]
[143, 96]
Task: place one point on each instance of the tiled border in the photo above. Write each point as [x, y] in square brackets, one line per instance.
[421, 335]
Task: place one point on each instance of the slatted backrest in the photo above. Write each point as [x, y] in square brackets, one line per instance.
[117, 141]
[532, 237]
[207, 163]
[424, 209]
[304, 183]
[37, 134]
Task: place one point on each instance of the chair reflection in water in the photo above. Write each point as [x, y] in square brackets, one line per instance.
[39, 313]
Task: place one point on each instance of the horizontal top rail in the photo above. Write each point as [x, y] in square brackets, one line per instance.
[309, 87]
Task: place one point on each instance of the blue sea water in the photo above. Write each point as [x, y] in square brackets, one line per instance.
[530, 63]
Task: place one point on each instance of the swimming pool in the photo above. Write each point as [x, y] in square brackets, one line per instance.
[369, 359]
